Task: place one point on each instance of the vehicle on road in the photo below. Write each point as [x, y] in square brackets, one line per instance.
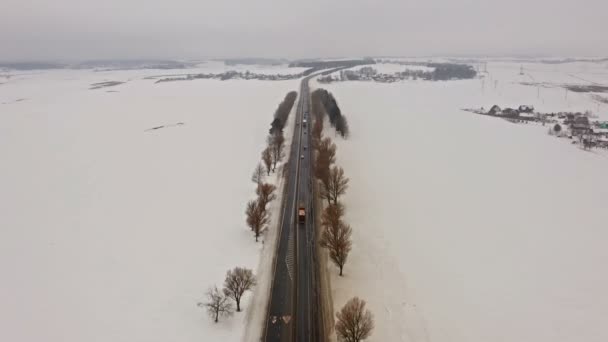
[301, 213]
[302, 156]
[304, 123]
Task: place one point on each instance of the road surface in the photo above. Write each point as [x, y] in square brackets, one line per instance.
[294, 312]
[292, 293]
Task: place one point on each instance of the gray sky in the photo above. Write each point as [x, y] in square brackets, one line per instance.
[83, 29]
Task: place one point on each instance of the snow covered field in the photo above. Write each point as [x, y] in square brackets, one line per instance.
[466, 228]
[470, 228]
[112, 233]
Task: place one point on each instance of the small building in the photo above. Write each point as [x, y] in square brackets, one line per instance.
[526, 109]
[569, 118]
[580, 126]
[495, 110]
[510, 112]
[599, 131]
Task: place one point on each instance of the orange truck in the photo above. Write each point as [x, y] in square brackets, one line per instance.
[301, 214]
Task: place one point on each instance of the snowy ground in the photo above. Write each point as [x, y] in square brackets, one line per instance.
[467, 228]
[470, 228]
[111, 233]
[99, 75]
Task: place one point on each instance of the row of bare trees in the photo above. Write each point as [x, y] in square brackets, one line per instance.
[354, 322]
[336, 234]
[239, 280]
[219, 303]
[256, 211]
[257, 216]
[324, 103]
[274, 152]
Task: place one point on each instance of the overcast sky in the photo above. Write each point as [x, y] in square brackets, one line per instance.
[102, 29]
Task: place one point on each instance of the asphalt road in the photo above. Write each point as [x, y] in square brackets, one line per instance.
[305, 324]
[294, 312]
[289, 309]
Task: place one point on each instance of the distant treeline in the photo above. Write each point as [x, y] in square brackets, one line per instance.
[448, 71]
[31, 66]
[440, 72]
[254, 61]
[228, 75]
[331, 64]
[282, 113]
[109, 64]
[580, 88]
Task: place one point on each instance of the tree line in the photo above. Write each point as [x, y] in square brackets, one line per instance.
[257, 216]
[324, 103]
[219, 303]
[354, 322]
[336, 234]
[320, 64]
[282, 113]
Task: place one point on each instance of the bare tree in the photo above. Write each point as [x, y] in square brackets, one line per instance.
[326, 155]
[355, 323]
[266, 194]
[317, 131]
[332, 215]
[338, 183]
[325, 191]
[258, 174]
[336, 238]
[217, 304]
[277, 142]
[327, 150]
[250, 212]
[267, 159]
[262, 219]
[257, 217]
[238, 280]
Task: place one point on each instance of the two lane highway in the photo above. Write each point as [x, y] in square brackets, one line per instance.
[291, 285]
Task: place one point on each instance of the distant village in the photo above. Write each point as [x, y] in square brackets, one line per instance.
[433, 72]
[313, 66]
[228, 75]
[577, 126]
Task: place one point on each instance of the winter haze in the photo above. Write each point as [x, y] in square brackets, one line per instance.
[444, 162]
[73, 29]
